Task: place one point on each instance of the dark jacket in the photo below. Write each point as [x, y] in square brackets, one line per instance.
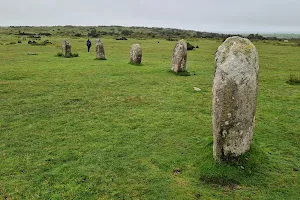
[88, 43]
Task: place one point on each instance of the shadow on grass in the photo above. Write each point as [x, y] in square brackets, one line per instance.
[250, 168]
[73, 55]
[222, 181]
[12, 77]
[136, 64]
[186, 73]
[100, 59]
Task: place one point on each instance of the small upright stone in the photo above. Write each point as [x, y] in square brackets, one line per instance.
[100, 54]
[179, 58]
[136, 54]
[66, 49]
[234, 98]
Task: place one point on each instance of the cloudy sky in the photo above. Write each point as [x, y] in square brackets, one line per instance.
[227, 16]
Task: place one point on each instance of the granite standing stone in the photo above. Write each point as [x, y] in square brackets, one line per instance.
[234, 98]
[179, 58]
[136, 54]
[66, 49]
[100, 54]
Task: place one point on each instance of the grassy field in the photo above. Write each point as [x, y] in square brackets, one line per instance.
[286, 36]
[81, 128]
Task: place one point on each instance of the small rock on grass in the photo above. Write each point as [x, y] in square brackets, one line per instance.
[32, 53]
[196, 89]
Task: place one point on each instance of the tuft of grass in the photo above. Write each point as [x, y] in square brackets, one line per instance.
[294, 79]
[59, 54]
[75, 55]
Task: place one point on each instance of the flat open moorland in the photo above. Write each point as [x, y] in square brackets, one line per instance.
[81, 128]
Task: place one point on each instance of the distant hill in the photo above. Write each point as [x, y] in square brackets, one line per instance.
[133, 32]
[114, 31]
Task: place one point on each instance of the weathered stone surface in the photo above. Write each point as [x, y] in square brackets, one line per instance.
[234, 98]
[179, 57]
[136, 54]
[66, 49]
[100, 54]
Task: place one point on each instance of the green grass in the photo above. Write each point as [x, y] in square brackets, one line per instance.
[83, 129]
[279, 35]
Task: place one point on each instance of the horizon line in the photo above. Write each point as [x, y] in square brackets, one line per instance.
[219, 32]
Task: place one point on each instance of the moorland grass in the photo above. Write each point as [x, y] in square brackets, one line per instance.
[81, 129]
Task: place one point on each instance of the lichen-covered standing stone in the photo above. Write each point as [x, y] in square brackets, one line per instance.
[234, 98]
[135, 54]
[179, 57]
[66, 49]
[100, 54]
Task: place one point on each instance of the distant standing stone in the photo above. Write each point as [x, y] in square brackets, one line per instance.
[234, 98]
[100, 54]
[136, 54]
[179, 58]
[66, 49]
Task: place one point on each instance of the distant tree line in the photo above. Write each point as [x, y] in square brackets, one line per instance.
[34, 35]
[260, 37]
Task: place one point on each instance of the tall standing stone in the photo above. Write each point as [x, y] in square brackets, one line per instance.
[136, 54]
[66, 49]
[100, 54]
[234, 98]
[179, 58]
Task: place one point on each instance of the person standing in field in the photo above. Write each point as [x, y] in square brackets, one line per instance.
[88, 44]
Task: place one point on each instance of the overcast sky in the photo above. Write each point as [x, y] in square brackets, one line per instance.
[235, 16]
